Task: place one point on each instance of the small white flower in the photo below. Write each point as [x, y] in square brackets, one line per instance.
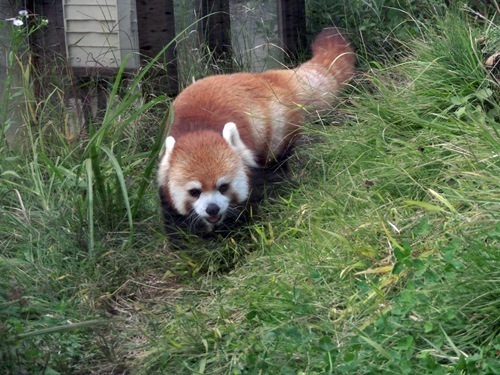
[17, 22]
[45, 22]
[23, 13]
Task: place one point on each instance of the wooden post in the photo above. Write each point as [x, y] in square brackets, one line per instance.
[49, 56]
[156, 29]
[215, 28]
[292, 28]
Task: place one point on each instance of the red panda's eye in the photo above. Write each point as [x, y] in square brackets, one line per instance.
[195, 193]
[223, 188]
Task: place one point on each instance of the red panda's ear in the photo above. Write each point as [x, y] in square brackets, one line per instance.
[232, 136]
[165, 162]
[169, 146]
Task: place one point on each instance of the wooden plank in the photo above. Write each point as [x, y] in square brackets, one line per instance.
[156, 24]
[215, 29]
[49, 44]
[82, 96]
[96, 12]
[292, 28]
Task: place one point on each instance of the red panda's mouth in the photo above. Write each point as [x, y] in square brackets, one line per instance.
[213, 219]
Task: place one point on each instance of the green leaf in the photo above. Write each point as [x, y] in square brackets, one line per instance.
[90, 204]
[459, 100]
[69, 327]
[251, 315]
[123, 187]
[426, 206]
[398, 267]
[377, 347]
[484, 93]
[428, 327]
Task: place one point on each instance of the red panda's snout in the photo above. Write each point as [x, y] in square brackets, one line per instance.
[204, 176]
[212, 205]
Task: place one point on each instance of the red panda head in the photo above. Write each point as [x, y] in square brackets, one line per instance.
[204, 173]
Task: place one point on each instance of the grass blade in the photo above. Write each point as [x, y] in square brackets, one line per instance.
[90, 205]
[121, 181]
[69, 327]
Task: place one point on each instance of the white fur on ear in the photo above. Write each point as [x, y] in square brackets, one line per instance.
[232, 136]
[169, 145]
[165, 161]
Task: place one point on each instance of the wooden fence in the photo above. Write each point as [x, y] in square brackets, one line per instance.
[74, 29]
[155, 27]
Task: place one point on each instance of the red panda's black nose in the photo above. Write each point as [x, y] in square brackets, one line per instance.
[212, 209]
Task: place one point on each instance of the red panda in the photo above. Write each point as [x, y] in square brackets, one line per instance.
[225, 127]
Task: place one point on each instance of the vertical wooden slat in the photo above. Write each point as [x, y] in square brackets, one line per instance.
[49, 42]
[215, 28]
[292, 28]
[156, 24]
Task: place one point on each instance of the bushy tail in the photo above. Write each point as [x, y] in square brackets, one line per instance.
[331, 65]
[333, 51]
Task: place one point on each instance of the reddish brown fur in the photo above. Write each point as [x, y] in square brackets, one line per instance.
[189, 155]
[235, 98]
[268, 110]
[210, 103]
[331, 49]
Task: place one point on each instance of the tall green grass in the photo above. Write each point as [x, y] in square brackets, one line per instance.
[68, 205]
[379, 255]
[383, 257]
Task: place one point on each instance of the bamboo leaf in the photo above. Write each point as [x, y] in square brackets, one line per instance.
[377, 347]
[90, 204]
[443, 200]
[426, 206]
[68, 327]
[121, 181]
[378, 270]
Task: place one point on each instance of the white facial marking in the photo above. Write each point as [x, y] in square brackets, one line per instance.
[239, 187]
[192, 185]
[180, 195]
[225, 180]
[212, 197]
